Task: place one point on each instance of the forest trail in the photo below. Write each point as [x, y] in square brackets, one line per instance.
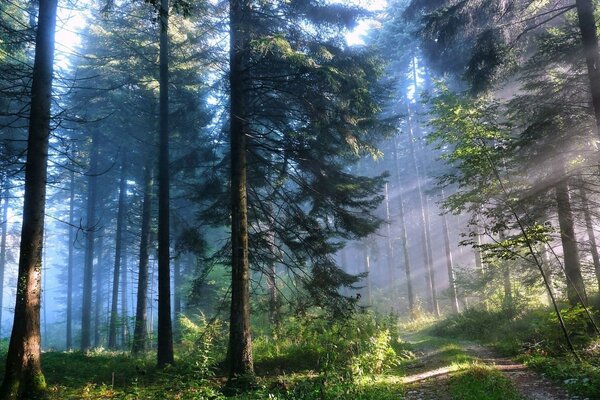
[428, 377]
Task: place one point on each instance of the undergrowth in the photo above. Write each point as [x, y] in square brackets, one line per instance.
[535, 337]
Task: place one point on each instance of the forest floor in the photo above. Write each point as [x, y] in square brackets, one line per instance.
[450, 369]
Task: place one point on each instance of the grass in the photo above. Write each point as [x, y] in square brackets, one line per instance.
[481, 383]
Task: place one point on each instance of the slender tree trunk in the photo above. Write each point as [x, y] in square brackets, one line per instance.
[430, 263]
[389, 247]
[589, 40]
[240, 338]
[449, 264]
[423, 216]
[590, 231]
[124, 285]
[272, 277]
[23, 377]
[140, 332]
[165, 327]
[575, 286]
[99, 301]
[88, 268]
[70, 262]
[3, 251]
[114, 310]
[177, 296]
[367, 269]
[403, 235]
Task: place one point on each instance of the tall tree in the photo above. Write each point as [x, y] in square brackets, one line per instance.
[140, 333]
[88, 267]
[165, 328]
[240, 338]
[23, 377]
[3, 248]
[112, 329]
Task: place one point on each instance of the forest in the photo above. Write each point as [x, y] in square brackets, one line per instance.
[299, 199]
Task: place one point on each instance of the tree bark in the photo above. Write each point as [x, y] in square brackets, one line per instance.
[124, 285]
[23, 377]
[114, 310]
[140, 332]
[589, 40]
[165, 328]
[240, 339]
[575, 286]
[88, 268]
[3, 251]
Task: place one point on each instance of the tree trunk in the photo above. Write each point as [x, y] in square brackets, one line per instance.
[590, 231]
[165, 328]
[575, 286]
[240, 338]
[403, 235]
[3, 251]
[177, 296]
[589, 40]
[70, 262]
[124, 285]
[140, 332]
[114, 310]
[23, 377]
[88, 268]
[434, 308]
[449, 264]
[99, 301]
[389, 247]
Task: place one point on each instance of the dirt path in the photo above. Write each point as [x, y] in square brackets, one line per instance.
[428, 377]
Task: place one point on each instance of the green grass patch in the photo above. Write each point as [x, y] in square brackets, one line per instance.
[482, 383]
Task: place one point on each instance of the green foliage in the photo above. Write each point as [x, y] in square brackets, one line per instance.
[203, 342]
[482, 383]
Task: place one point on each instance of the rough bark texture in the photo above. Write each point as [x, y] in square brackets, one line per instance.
[23, 377]
[589, 39]
[240, 339]
[88, 267]
[575, 286]
[165, 329]
[114, 310]
[140, 333]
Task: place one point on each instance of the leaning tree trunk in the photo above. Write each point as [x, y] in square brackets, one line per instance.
[114, 310]
[240, 338]
[575, 285]
[3, 251]
[165, 328]
[88, 268]
[23, 377]
[140, 331]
